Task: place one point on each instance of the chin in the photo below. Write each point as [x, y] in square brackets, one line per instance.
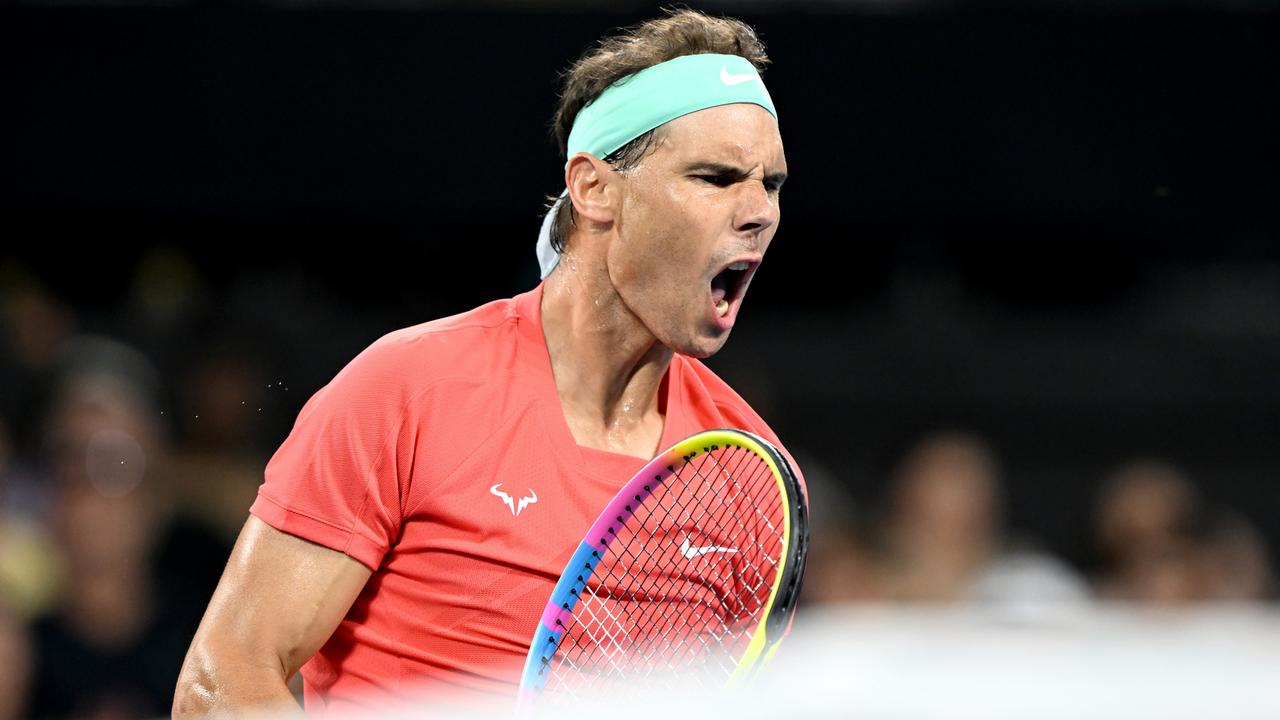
[703, 348]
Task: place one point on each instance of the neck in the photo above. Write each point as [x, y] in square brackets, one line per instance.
[608, 366]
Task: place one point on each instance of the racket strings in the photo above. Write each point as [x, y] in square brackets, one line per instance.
[661, 605]
[768, 534]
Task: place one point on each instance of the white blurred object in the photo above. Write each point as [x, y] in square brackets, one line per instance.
[1071, 663]
[1064, 662]
[1027, 581]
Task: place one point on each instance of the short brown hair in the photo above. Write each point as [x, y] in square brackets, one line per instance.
[679, 32]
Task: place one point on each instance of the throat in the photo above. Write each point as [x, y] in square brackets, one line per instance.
[630, 424]
[624, 435]
[609, 380]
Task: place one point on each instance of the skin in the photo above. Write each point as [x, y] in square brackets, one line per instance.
[633, 287]
[634, 284]
[279, 600]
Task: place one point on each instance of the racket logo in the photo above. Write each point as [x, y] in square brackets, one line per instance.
[693, 551]
[524, 502]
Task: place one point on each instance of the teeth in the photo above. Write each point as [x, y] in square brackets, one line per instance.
[722, 308]
[740, 265]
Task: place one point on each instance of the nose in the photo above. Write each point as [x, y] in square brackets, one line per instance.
[759, 209]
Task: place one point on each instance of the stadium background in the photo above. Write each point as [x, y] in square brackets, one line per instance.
[1051, 227]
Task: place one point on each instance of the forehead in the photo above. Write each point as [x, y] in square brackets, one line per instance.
[741, 133]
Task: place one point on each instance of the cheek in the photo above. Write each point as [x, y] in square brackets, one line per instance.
[655, 243]
[659, 266]
[636, 261]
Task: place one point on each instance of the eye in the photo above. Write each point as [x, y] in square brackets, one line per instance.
[717, 180]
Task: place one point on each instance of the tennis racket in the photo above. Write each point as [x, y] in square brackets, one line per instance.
[689, 577]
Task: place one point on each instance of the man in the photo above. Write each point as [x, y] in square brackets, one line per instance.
[412, 526]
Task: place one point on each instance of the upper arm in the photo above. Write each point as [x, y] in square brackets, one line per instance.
[279, 600]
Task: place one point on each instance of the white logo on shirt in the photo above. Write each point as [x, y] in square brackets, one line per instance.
[693, 551]
[526, 501]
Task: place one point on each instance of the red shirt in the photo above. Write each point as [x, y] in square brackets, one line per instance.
[401, 461]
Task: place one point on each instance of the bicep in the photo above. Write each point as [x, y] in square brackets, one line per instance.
[280, 597]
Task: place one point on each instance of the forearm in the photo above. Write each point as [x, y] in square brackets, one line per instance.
[220, 682]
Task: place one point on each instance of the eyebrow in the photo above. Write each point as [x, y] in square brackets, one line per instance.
[776, 178]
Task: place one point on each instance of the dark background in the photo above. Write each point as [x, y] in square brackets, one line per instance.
[1055, 226]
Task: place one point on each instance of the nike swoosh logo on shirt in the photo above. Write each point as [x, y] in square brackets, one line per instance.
[732, 79]
[693, 551]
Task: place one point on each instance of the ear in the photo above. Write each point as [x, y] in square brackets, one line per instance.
[588, 179]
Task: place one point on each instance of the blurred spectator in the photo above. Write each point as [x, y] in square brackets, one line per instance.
[1146, 536]
[28, 562]
[212, 477]
[944, 534]
[15, 658]
[110, 648]
[217, 470]
[166, 289]
[1239, 566]
[1159, 546]
[841, 566]
[37, 328]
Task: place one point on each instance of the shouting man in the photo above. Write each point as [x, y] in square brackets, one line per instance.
[413, 524]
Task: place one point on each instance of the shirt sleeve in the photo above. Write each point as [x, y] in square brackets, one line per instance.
[341, 477]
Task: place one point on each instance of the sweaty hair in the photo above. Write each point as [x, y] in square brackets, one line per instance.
[678, 33]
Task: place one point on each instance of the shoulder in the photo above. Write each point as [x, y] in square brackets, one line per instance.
[447, 336]
[407, 367]
[467, 345]
[713, 402]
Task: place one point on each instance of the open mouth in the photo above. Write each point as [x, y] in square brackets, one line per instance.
[728, 286]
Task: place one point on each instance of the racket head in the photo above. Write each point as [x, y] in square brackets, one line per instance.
[691, 571]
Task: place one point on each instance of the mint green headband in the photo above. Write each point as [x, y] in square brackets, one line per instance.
[641, 102]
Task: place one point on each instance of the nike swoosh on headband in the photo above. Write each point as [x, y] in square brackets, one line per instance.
[732, 79]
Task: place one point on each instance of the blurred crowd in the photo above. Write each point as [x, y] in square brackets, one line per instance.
[129, 458]
[941, 536]
[125, 474]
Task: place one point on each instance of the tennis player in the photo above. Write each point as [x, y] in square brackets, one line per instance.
[411, 527]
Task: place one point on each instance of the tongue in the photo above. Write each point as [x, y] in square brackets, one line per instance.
[718, 289]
